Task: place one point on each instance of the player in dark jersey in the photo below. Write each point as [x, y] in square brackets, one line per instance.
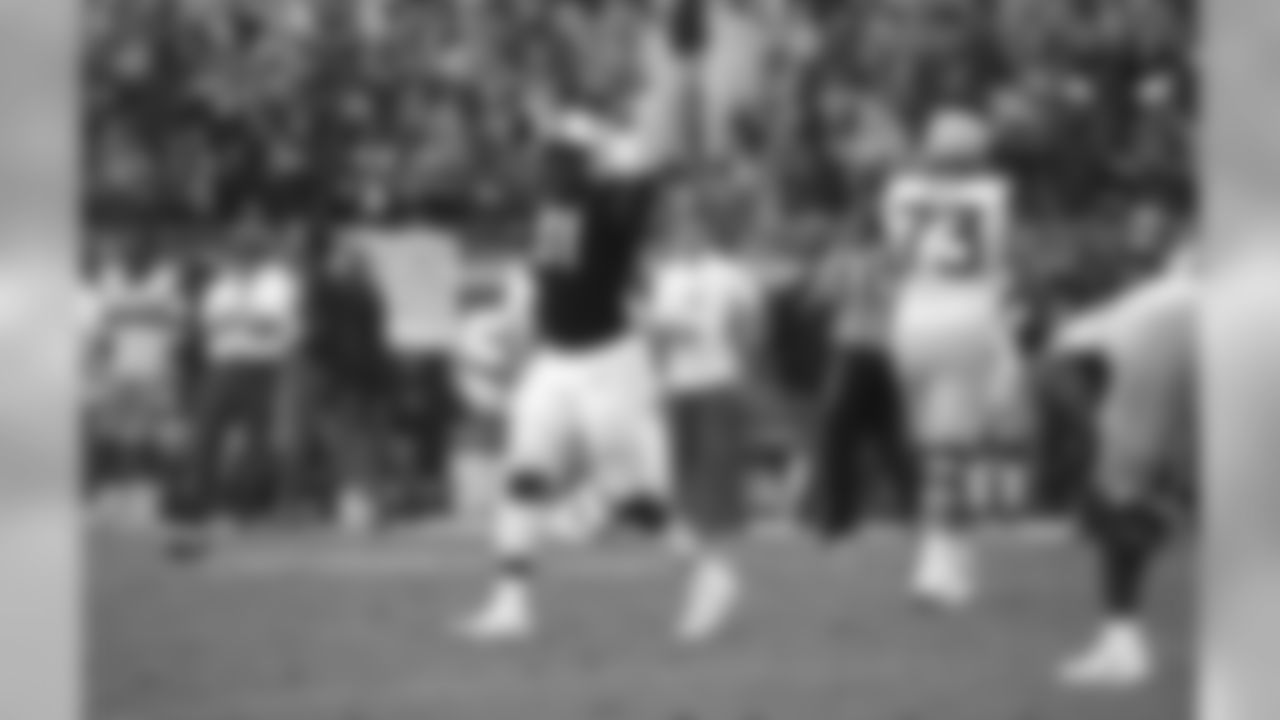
[586, 420]
[1146, 426]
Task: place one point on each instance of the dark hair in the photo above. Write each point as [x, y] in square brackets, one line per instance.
[565, 172]
[689, 28]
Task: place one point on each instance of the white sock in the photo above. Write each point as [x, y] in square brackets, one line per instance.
[517, 536]
[931, 551]
[712, 594]
[516, 530]
[945, 563]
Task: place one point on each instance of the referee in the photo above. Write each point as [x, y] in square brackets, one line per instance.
[861, 436]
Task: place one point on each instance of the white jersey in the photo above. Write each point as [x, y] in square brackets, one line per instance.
[950, 331]
[140, 316]
[949, 226]
[702, 303]
[252, 313]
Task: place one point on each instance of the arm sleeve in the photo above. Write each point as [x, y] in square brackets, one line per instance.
[895, 213]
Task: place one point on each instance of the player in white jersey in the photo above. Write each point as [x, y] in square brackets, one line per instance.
[948, 220]
[139, 313]
[705, 312]
[586, 413]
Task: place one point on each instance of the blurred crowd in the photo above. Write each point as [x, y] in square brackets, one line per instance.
[250, 128]
[418, 109]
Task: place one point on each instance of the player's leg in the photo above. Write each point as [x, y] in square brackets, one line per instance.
[539, 424]
[624, 427]
[1006, 461]
[196, 500]
[710, 439]
[1140, 451]
[833, 502]
[166, 443]
[630, 425]
[972, 380]
[946, 566]
[943, 349]
[889, 442]
[1127, 530]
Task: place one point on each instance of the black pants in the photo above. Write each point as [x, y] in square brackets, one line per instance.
[1068, 389]
[863, 452]
[425, 417]
[236, 460]
[350, 428]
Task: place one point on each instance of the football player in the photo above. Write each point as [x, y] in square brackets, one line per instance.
[706, 308]
[1145, 420]
[587, 406]
[947, 219]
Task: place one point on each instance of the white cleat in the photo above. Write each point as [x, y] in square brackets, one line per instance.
[714, 596]
[1120, 660]
[507, 617]
[356, 514]
[945, 577]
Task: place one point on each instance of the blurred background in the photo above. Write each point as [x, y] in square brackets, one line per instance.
[322, 117]
[387, 111]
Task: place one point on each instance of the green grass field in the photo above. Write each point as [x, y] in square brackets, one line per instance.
[306, 627]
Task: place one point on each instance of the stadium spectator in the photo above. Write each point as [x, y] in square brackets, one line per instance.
[416, 113]
[863, 453]
[250, 314]
[138, 314]
[348, 369]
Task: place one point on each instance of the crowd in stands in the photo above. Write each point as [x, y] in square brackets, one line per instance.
[315, 114]
[417, 109]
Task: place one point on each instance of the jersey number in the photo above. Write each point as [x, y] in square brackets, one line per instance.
[957, 225]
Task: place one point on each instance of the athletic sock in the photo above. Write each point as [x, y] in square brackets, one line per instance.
[712, 594]
[516, 535]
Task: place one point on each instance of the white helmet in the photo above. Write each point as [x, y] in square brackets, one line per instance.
[615, 149]
[956, 135]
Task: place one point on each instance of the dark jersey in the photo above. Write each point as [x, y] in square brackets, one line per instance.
[583, 299]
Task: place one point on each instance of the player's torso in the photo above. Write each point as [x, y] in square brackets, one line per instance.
[703, 302]
[143, 322]
[576, 310]
[583, 293]
[950, 229]
[858, 286]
